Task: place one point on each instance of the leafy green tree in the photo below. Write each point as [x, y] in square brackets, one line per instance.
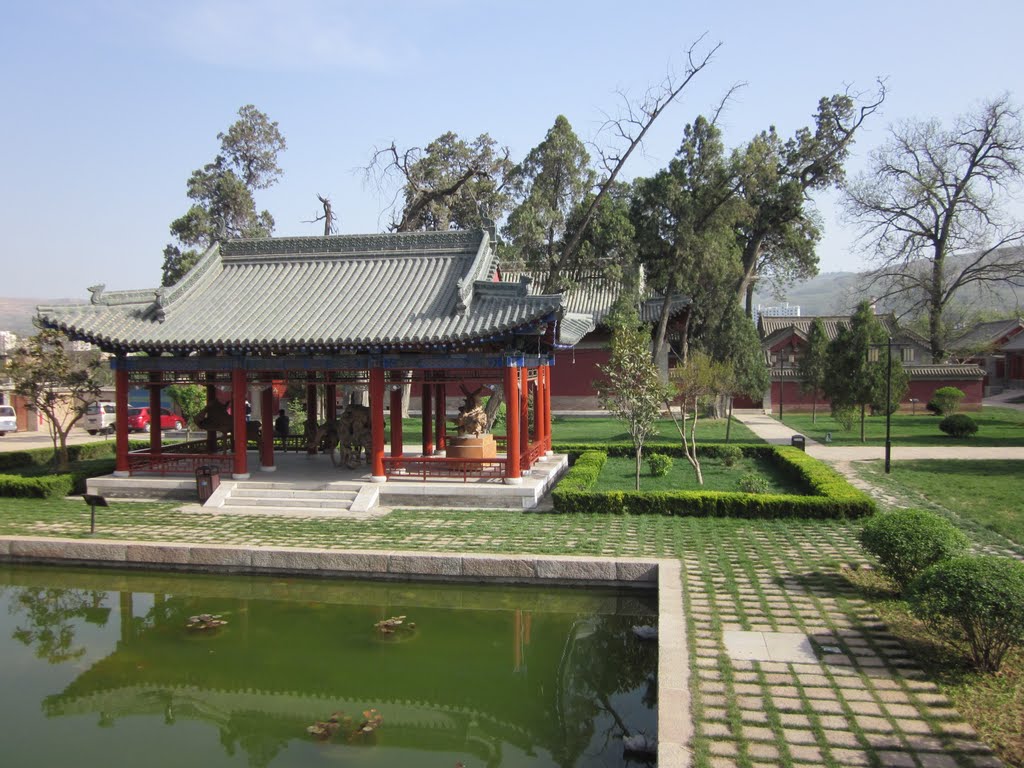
[58, 382]
[684, 218]
[449, 184]
[853, 374]
[190, 399]
[631, 386]
[813, 365]
[548, 186]
[936, 209]
[222, 192]
[780, 230]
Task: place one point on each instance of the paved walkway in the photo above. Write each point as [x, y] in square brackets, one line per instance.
[771, 430]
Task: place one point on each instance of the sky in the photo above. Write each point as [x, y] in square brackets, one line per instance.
[109, 105]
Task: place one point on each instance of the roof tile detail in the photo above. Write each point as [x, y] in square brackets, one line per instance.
[352, 291]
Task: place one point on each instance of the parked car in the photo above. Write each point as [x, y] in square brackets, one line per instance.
[8, 420]
[99, 417]
[140, 419]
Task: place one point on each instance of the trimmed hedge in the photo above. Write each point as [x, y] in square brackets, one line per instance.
[34, 482]
[829, 495]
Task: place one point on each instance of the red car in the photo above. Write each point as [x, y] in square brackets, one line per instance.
[139, 420]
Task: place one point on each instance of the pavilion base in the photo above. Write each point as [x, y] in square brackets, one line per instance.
[316, 481]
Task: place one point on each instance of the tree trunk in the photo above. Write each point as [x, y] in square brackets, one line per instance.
[728, 422]
[863, 414]
[935, 308]
[814, 406]
[751, 254]
[639, 463]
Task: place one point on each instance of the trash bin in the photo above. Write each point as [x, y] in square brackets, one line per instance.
[798, 441]
[207, 480]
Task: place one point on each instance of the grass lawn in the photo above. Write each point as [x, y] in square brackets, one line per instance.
[986, 493]
[619, 474]
[996, 427]
[605, 429]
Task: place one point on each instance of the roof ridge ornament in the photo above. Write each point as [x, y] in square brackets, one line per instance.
[97, 293]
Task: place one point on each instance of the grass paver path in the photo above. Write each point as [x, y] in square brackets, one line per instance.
[864, 703]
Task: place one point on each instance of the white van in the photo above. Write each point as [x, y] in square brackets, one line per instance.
[99, 417]
[8, 420]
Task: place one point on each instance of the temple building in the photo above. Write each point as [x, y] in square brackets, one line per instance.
[382, 312]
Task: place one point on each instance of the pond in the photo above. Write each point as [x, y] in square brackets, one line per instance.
[100, 668]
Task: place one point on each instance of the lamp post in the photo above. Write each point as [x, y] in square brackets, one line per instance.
[888, 404]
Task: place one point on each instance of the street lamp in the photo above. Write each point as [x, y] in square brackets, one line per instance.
[888, 403]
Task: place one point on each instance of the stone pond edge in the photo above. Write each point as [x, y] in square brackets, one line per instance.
[675, 726]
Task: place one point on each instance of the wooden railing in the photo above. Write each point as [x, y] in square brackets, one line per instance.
[441, 466]
[177, 463]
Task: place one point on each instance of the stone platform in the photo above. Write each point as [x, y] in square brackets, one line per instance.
[313, 486]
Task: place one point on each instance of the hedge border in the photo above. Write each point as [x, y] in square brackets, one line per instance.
[829, 494]
[54, 484]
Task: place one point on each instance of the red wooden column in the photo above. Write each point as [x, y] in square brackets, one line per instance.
[440, 412]
[547, 407]
[540, 422]
[211, 397]
[331, 404]
[395, 414]
[267, 427]
[524, 415]
[155, 422]
[512, 474]
[240, 465]
[121, 468]
[426, 390]
[377, 425]
[311, 410]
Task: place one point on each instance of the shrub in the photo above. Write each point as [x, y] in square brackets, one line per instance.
[906, 541]
[845, 416]
[729, 454]
[751, 482]
[958, 425]
[945, 400]
[978, 602]
[659, 464]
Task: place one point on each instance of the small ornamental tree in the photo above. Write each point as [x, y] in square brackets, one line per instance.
[813, 365]
[695, 381]
[190, 399]
[58, 382]
[631, 387]
[853, 379]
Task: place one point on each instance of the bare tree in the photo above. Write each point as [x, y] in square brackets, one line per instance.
[327, 217]
[628, 130]
[933, 209]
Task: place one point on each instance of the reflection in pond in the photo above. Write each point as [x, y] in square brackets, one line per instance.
[301, 674]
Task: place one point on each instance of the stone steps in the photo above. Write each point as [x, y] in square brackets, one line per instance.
[292, 498]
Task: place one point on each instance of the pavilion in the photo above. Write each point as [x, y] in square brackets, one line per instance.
[379, 310]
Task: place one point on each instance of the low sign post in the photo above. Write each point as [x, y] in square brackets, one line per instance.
[93, 501]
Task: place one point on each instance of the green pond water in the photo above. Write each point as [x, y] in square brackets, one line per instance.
[98, 668]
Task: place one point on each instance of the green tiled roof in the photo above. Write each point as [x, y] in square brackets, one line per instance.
[388, 291]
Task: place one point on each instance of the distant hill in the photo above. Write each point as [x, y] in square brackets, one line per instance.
[16, 314]
[837, 293]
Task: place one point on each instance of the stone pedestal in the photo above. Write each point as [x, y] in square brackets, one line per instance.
[468, 447]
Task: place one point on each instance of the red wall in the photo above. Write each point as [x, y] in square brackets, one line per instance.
[922, 390]
[574, 372]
